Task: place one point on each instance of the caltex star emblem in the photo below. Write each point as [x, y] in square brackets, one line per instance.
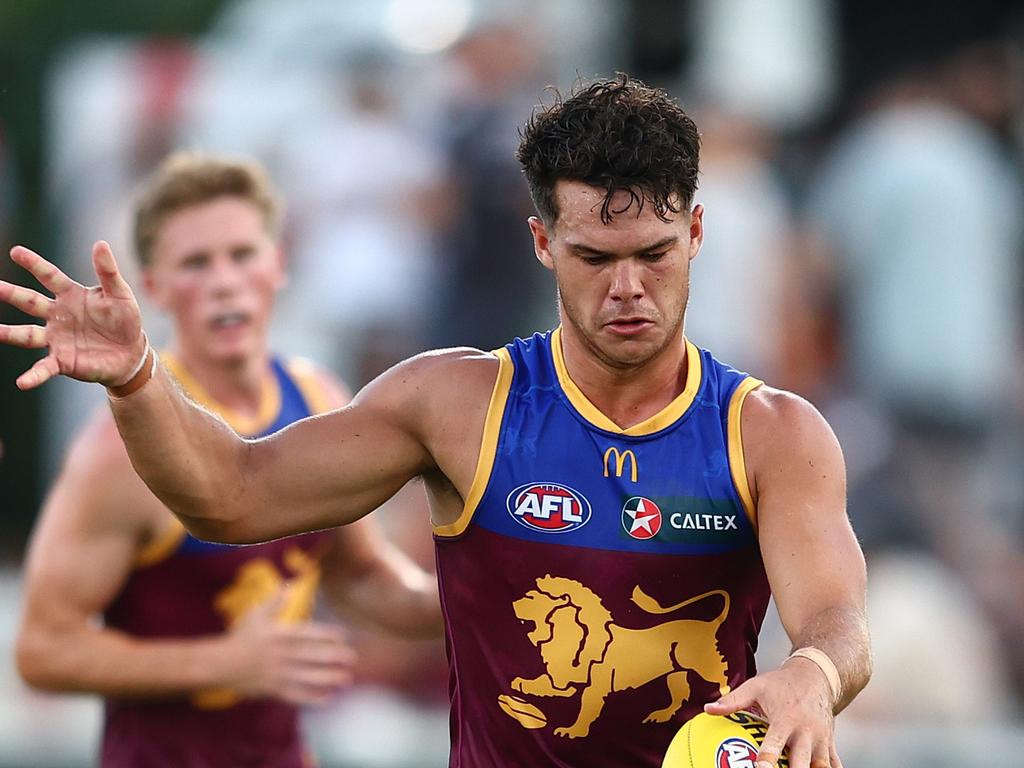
[641, 518]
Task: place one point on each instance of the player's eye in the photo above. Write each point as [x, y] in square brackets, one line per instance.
[595, 261]
[195, 262]
[243, 254]
[656, 256]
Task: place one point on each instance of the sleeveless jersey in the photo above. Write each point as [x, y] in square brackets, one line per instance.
[184, 587]
[602, 584]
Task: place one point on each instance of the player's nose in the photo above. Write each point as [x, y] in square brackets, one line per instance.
[627, 281]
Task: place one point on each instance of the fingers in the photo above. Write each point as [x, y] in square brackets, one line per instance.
[800, 744]
[27, 336]
[28, 301]
[742, 698]
[834, 757]
[312, 687]
[106, 270]
[40, 373]
[45, 272]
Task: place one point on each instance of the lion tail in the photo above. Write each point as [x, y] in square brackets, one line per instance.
[649, 604]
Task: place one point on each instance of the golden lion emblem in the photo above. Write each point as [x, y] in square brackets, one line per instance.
[585, 652]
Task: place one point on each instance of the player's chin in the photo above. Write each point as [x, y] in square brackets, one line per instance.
[630, 352]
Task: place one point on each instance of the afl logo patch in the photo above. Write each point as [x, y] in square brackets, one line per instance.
[548, 507]
[641, 518]
[736, 753]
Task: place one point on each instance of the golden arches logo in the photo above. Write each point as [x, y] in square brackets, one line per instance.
[620, 462]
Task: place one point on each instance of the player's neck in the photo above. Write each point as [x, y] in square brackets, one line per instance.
[627, 396]
[238, 386]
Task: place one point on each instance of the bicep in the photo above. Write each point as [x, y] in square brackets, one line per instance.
[327, 470]
[81, 551]
[811, 555]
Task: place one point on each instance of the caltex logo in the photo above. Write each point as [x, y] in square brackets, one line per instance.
[548, 507]
[641, 518]
[736, 753]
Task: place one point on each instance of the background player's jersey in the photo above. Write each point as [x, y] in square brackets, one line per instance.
[184, 587]
[601, 584]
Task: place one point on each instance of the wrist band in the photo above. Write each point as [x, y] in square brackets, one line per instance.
[142, 373]
[825, 664]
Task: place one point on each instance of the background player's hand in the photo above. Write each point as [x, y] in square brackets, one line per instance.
[91, 333]
[302, 664]
[797, 702]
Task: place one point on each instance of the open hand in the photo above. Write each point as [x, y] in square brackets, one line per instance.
[305, 663]
[796, 701]
[91, 333]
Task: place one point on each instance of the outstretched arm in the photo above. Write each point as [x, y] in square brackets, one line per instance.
[817, 574]
[322, 472]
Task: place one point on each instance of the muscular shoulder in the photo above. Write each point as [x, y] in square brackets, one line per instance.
[97, 451]
[436, 379]
[441, 399]
[323, 390]
[98, 479]
[785, 436]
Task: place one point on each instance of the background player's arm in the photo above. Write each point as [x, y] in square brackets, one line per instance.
[95, 521]
[369, 580]
[816, 569]
[365, 577]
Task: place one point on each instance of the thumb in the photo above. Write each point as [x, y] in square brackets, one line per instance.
[743, 697]
[111, 281]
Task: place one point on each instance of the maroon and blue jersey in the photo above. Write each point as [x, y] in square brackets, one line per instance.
[602, 584]
[183, 587]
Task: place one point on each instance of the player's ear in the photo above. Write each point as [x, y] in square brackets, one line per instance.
[153, 287]
[282, 265]
[541, 241]
[696, 230]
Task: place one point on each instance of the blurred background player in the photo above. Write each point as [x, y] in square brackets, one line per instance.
[205, 650]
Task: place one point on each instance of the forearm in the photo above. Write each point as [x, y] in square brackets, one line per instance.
[188, 457]
[841, 632]
[390, 593]
[111, 663]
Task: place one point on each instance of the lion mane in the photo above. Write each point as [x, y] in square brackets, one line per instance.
[578, 627]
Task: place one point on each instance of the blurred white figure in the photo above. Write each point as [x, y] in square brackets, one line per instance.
[737, 281]
[361, 187]
[923, 212]
[936, 657]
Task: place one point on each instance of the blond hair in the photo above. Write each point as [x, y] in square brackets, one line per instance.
[185, 179]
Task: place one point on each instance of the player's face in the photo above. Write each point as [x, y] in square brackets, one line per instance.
[216, 270]
[623, 286]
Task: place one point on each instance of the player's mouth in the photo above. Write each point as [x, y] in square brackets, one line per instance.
[629, 326]
[226, 321]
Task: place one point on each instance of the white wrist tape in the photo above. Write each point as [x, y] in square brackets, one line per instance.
[825, 664]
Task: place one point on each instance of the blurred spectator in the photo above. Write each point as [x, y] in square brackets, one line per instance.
[492, 289]
[749, 222]
[366, 195]
[920, 203]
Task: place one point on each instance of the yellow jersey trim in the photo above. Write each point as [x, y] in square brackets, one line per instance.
[306, 378]
[488, 446]
[663, 418]
[270, 399]
[162, 546]
[737, 464]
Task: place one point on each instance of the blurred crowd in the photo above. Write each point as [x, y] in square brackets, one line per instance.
[862, 179]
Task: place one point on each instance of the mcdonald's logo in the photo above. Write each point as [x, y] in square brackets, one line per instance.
[620, 462]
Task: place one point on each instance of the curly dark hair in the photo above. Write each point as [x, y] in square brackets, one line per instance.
[619, 134]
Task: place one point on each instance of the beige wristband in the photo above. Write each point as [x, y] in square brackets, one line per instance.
[142, 373]
[825, 664]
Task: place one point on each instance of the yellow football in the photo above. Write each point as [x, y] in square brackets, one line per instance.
[716, 741]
